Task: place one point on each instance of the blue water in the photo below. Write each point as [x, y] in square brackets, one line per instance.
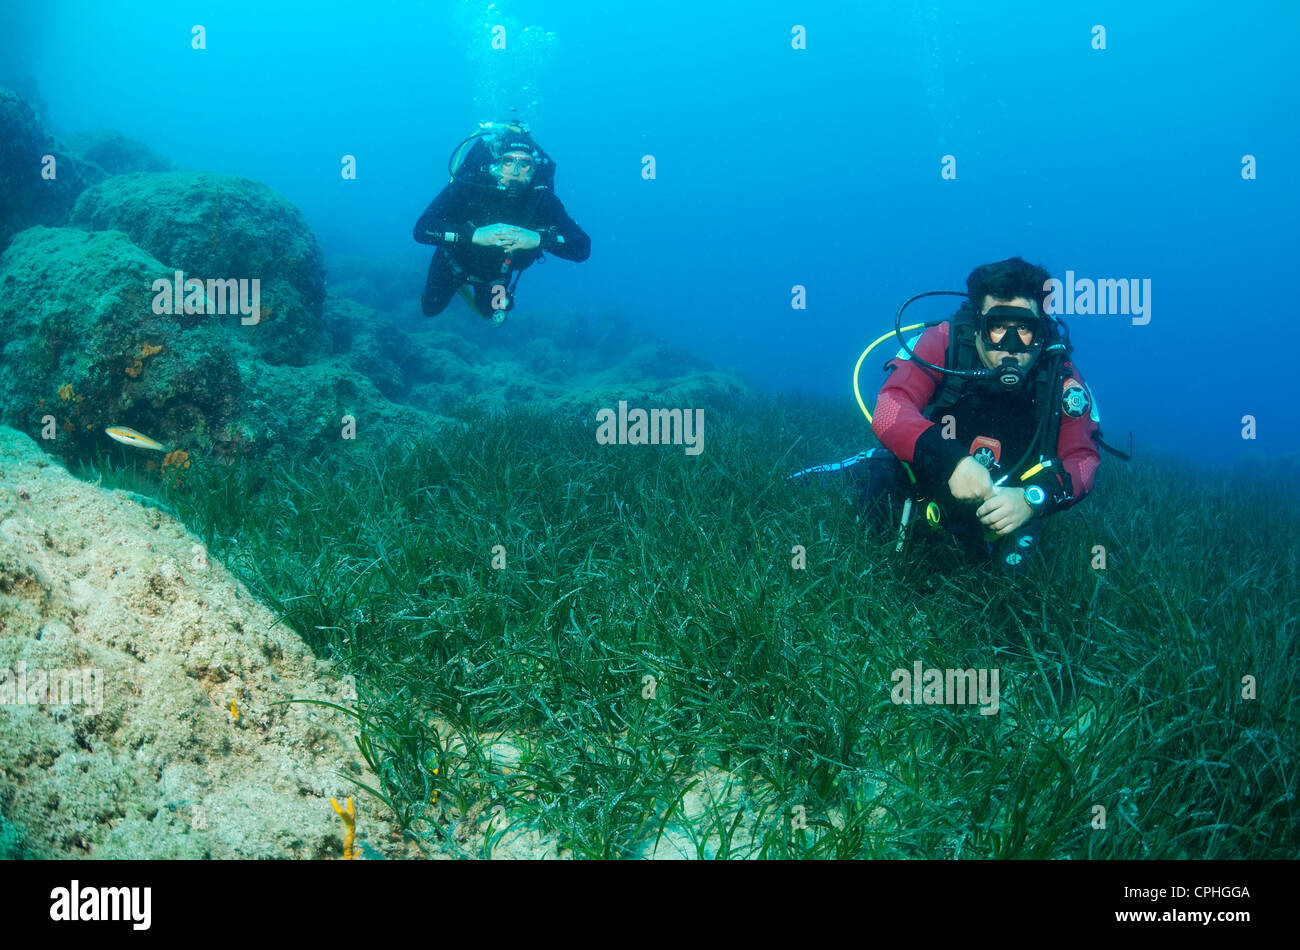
[776, 167]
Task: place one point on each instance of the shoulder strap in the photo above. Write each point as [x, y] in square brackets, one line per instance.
[1049, 401]
[961, 355]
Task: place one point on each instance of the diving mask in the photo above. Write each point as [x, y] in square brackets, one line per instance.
[1011, 330]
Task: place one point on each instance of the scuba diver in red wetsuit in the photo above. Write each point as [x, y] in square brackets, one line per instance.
[494, 219]
[984, 419]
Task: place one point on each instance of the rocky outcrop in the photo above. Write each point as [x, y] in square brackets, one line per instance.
[83, 348]
[40, 177]
[129, 645]
[115, 153]
[223, 227]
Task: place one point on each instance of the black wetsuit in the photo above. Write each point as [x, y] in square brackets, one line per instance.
[449, 223]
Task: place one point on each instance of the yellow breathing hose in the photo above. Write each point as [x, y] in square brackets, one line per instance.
[856, 369]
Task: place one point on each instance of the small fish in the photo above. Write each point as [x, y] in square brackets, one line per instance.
[130, 437]
[234, 711]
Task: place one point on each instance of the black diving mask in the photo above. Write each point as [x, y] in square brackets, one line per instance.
[1011, 330]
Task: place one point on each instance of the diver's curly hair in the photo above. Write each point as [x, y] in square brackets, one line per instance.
[1004, 280]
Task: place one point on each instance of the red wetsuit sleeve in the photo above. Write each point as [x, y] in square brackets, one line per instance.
[1076, 446]
[898, 421]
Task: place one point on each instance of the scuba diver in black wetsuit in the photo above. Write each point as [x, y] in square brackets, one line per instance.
[496, 217]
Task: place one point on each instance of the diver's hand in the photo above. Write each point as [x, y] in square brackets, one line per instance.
[970, 481]
[494, 234]
[508, 237]
[1005, 511]
[522, 239]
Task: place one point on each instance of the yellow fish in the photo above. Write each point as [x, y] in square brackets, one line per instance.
[131, 437]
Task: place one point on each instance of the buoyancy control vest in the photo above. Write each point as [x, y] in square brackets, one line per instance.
[1004, 428]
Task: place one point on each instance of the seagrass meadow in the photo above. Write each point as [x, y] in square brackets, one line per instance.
[613, 647]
